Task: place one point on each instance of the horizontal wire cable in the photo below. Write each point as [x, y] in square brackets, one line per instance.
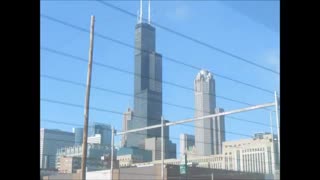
[190, 38]
[143, 50]
[152, 99]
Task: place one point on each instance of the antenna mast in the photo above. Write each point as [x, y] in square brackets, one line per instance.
[149, 15]
[140, 18]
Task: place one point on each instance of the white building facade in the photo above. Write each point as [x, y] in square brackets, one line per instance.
[259, 154]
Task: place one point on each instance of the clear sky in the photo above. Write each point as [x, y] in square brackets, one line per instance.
[249, 29]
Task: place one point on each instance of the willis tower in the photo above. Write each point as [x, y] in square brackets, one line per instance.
[147, 85]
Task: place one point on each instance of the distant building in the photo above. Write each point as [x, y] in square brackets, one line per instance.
[104, 130]
[129, 155]
[209, 132]
[96, 139]
[127, 117]
[94, 154]
[186, 142]
[259, 154]
[78, 133]
[212, 161]
[218, 132]
[69, 164]
[50, 141]
[154, 145]
[255, 155]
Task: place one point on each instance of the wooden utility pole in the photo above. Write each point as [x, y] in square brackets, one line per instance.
[86, 107]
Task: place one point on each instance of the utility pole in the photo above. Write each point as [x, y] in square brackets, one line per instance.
[112, 149]
[86, 108]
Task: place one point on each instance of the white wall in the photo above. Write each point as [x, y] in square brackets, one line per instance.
[96, 175]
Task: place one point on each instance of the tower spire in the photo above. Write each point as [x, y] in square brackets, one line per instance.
[149, 15]
[140, 18]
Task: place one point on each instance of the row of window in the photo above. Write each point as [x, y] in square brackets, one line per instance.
[207, 159]
[236, 145]
[253, 150]
[254, 162]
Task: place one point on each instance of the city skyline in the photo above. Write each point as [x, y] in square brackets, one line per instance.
[113, 119]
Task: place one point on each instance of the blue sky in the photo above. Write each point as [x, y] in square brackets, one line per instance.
[249, 29]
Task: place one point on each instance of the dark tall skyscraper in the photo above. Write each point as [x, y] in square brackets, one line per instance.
[147, 109]
[147, 86]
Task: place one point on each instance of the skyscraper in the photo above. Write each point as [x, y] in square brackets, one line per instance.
[147, 85]
[186, 142]
[127, 116]
[205, 104]
[209, 132]
[218, 132]
[147, 109]
[50, 141]
[104, 130]
[78, 133]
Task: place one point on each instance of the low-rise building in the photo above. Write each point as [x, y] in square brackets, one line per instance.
[69, 164]
[259, 154]
[130, 155]
[94, 154]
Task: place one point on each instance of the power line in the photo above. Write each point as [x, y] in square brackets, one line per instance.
[164, 57]
[139, 75]
[165, 137]
[133, 96]
[115, 112]
[190, 38]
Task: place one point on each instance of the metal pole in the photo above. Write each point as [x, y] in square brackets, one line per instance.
[271, 125]
[278, 126]
[162, 149]
[212, 176]
[198, 118]
[272, 137]
[86, 108]
[186, 165]
[112, 149]
[277, 118]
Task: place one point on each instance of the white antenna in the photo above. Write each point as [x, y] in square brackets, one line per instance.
[149, 16]
[137, 16]
[140, 18]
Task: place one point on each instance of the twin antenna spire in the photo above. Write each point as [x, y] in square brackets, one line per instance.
[140, 12]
